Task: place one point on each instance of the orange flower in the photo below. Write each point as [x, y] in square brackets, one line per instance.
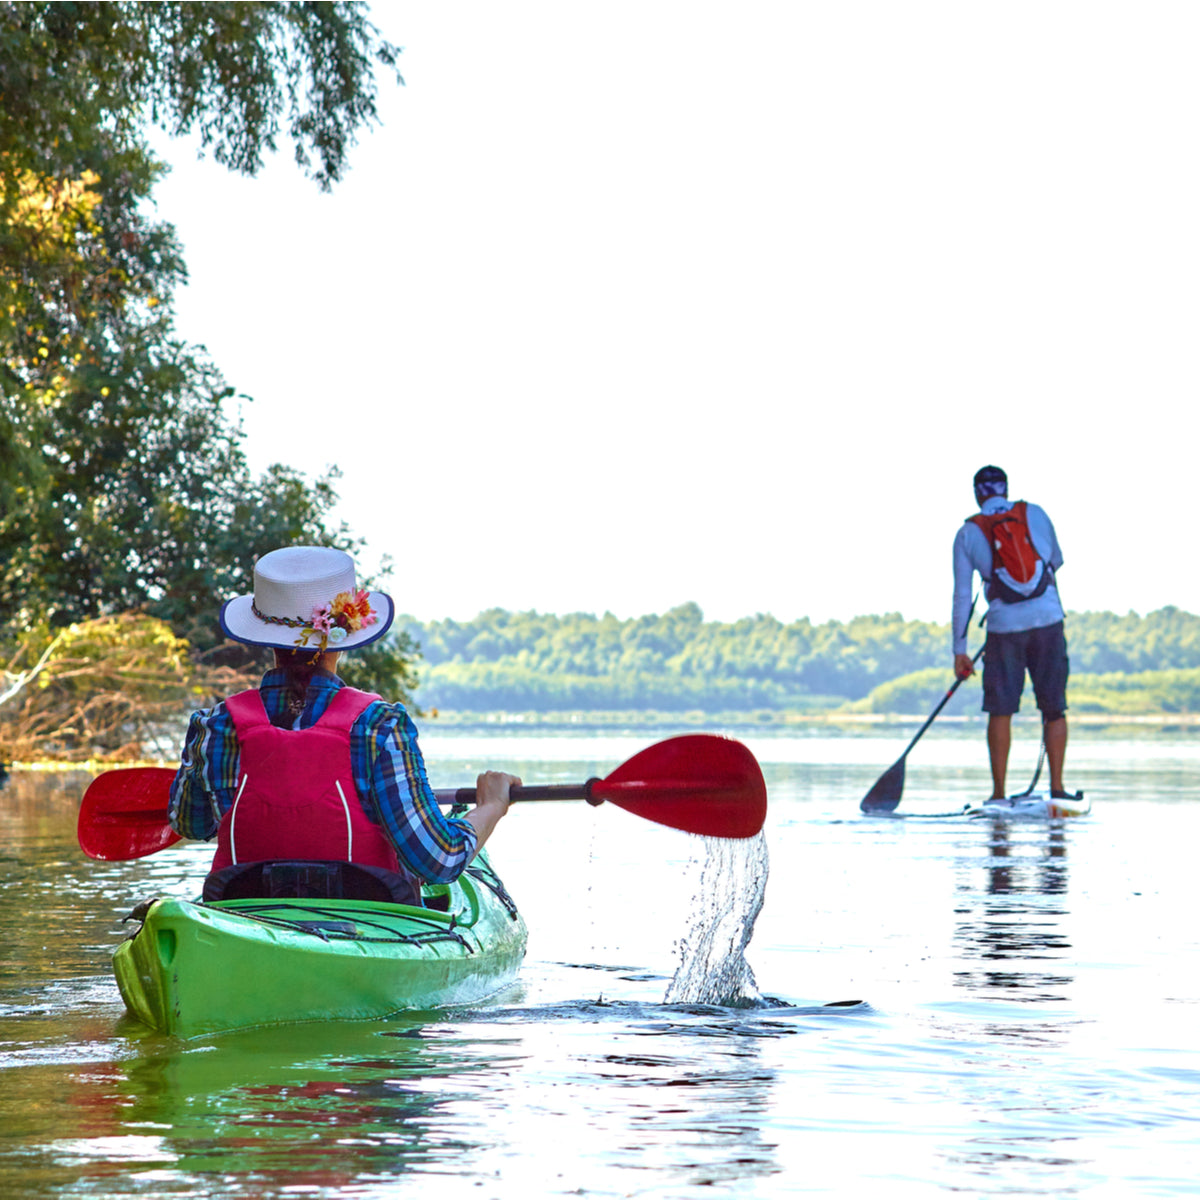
[352, 611]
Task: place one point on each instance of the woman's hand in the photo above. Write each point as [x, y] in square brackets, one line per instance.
[492, 790]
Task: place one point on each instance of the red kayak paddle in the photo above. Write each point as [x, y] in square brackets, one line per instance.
[697, 782]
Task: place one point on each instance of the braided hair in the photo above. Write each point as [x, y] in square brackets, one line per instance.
[300, 666]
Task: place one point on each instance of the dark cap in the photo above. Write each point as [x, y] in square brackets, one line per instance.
[990, 481]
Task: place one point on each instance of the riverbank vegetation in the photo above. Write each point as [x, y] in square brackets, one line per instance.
[677, 662]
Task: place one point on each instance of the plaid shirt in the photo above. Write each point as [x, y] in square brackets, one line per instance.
[389, 775]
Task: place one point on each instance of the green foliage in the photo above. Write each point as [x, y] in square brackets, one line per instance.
[73, 75]
[139, 495]
[1174, 691]
[674, 661]
[387, 667]
[920, 692]
[504, 686]
[1140, 693]
[1102, 642]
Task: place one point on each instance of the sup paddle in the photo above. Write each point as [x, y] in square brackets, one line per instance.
[698, 782]
[1036, 775]
[889, 787]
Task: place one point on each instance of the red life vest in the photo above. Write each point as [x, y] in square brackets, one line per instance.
[1018, 571]
[296, 797]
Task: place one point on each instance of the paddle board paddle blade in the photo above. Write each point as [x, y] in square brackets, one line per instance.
[889, 787]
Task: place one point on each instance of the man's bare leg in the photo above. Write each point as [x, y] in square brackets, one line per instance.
[1055, 733]
[999, 739]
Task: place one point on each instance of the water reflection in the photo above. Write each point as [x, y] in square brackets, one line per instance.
[1012, 921]
[267, 1111]
[681, 1091]
[678, 1088]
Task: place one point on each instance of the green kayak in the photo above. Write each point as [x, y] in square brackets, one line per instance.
[198, 968]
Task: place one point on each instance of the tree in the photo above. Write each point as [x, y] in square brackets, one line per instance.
[73, 75]
[84, 268]
[123, 484]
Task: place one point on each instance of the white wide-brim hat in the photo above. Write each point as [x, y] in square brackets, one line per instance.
[307, 598]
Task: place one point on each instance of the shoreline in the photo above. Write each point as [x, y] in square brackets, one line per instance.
[777, 720]
[700, 722]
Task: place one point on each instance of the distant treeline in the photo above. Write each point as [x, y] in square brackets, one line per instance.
[677, 661]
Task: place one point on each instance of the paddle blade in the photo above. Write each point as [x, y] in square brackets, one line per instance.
[124, 814]
[699, 782]
[888, 789]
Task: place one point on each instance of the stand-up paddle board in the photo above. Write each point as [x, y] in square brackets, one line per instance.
[1036, 805]
[1029, 806]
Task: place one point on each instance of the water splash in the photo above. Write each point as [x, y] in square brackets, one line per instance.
[712, 963]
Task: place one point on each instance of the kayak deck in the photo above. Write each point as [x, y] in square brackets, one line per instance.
[195, 968]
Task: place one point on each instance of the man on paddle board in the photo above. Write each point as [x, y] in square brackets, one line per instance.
[304, 768]
[1015, 550]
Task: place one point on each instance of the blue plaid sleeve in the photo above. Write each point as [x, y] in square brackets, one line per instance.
[390, 771]
[204, 786]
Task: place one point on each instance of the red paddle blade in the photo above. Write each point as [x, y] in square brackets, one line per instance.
[124, 814]
[699, 782]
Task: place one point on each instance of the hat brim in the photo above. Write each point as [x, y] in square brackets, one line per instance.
[239, 622]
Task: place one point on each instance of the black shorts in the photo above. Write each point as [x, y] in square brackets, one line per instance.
[1007, 656]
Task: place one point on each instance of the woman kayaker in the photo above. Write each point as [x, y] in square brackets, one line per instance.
[303, 775]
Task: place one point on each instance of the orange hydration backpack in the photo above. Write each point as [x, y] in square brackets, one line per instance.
[1018, 571]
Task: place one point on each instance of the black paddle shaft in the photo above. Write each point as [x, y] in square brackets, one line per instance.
[547, 791]
[941, 704]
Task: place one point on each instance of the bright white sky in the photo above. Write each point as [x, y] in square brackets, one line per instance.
[631, 304]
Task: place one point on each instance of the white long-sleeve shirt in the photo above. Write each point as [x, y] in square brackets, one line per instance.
[972, 553]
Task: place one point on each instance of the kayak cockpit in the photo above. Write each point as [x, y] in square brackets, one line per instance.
[309, 879]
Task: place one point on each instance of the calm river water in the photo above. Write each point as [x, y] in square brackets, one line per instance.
[1029, 1025]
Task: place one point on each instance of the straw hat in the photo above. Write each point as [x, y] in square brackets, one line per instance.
[306, 597]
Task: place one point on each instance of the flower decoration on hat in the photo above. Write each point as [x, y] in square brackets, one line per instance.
[346, 613]
[330, 624]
